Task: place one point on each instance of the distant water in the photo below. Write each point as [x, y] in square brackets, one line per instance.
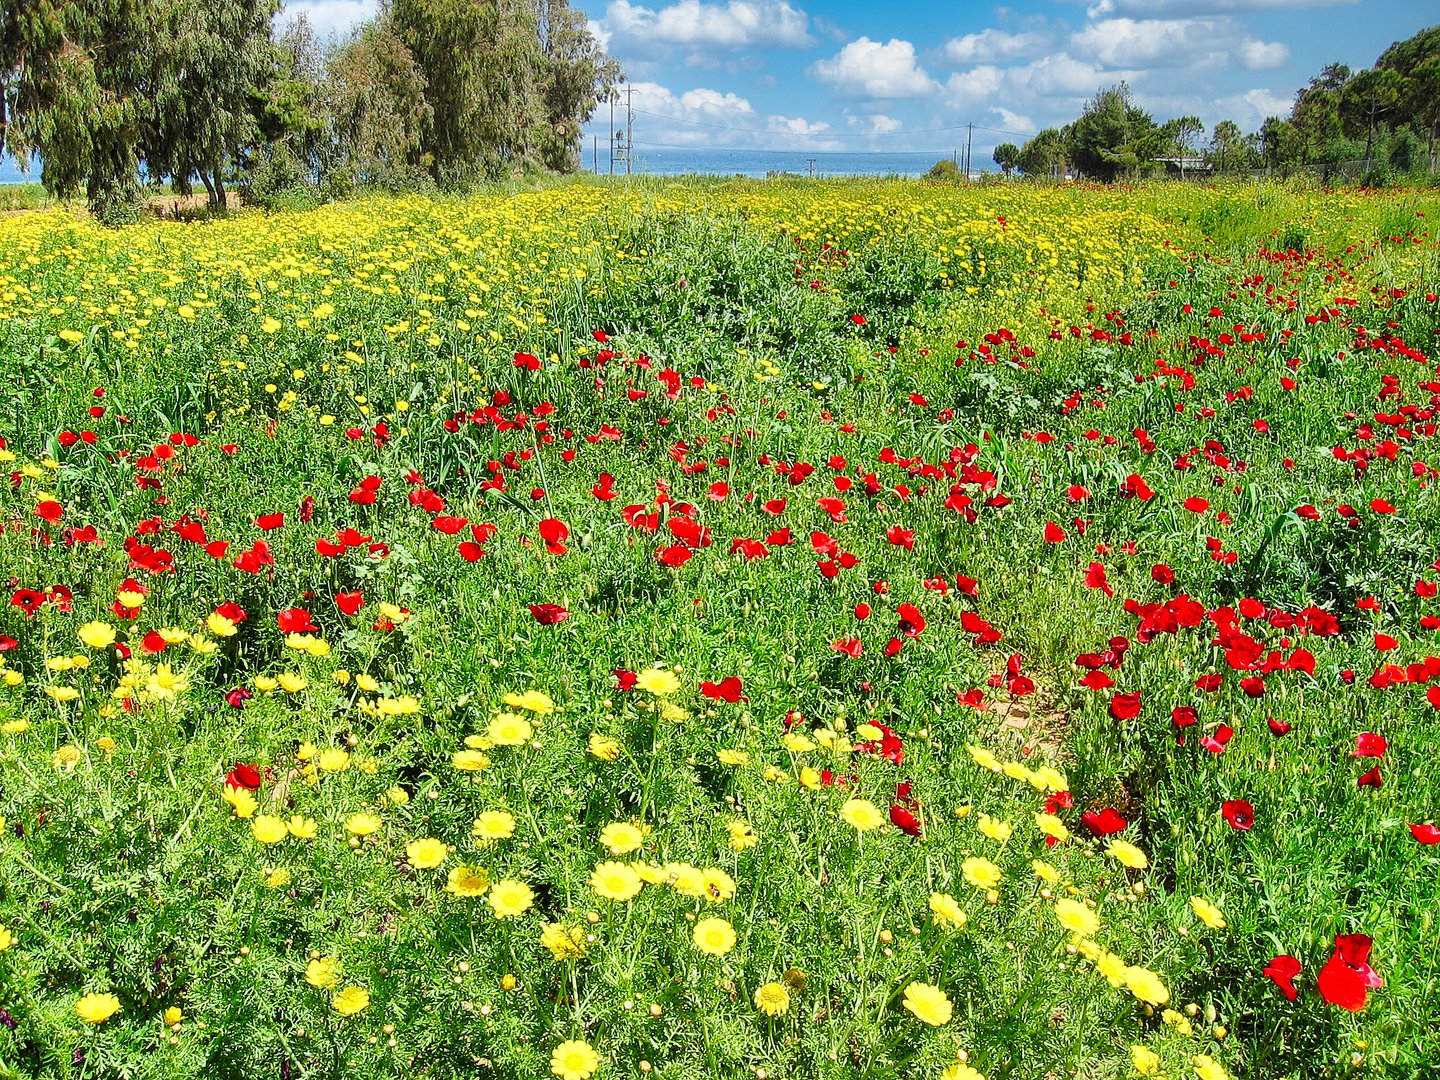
[10, 172]
[671, 161]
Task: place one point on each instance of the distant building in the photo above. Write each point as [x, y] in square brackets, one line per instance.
[1184, 166]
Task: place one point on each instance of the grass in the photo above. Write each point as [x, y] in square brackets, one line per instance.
[405, 458]
[23, 197]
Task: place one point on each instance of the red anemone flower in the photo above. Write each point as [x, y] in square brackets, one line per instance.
[244, 776]
[1425, 834]
[1347, 976]
[1239, 813]
[1106, 822]
[1369, 744]
[912, 623]
[904, 820]
[727, 689]
[1283, 970]
[549, 614]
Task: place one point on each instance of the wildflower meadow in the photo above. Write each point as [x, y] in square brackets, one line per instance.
[724, 629]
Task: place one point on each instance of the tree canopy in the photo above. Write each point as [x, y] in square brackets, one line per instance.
[111, 94]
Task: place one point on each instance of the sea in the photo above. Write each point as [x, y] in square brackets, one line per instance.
[721, 161]
[10, 171]
[706, 161]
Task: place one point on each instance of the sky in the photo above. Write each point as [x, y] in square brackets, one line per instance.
[860, 75]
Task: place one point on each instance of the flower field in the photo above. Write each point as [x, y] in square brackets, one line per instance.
[724, 630]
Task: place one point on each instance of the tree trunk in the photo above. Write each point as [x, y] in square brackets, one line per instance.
[218, 200]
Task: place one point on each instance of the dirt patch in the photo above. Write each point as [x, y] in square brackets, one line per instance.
[180, 206]
[1034, 721]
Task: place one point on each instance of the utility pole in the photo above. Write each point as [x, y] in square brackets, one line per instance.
[810, 164]
[612, 132]
[969, 133]
[629, 117]
[595, 154]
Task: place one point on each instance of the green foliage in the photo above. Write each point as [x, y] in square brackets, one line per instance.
[1007, 156]
[1045, 155]
[944, 169]
[1113, 136]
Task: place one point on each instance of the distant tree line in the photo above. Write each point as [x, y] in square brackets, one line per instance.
[1385, 118]
[112, 95]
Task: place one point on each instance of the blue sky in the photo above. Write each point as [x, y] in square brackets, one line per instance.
[855, 75]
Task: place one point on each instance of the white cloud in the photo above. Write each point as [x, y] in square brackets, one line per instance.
[990, 45]
[704, 117]
[1146, 43]
[866, 68]
[1015, 121]
[736, 24]
[1253, 107]
[873, 123]
[1263, 55]
[331, 16]
[796, 125]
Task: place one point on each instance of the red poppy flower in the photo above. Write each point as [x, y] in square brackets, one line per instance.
[549, 614]
[1216, 743]
[1283, 970]
[1209, 683]
[727, 689]
[244, 776]
[1278, 727]
[1380, 506]
[236, 698]
[1162, 574]
[1106, 822]
[1125, 706]
[624, 680]
[1184, 715]
[1425, 834]
[1369, 744]
[350, 602]
[1197, 505]
[49, 510]
[295, 621]
[1239, 813]
[1053, 533]
[851, 647]
[1371, 779]
[674, 556]
[269, 521]
[1433, 696]
[904, 820]
[554, 532]
[1095, 579]
[912, 623]
[1347, 976]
